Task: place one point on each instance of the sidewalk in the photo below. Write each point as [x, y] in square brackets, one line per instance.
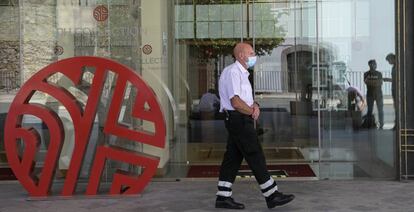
[190, 195]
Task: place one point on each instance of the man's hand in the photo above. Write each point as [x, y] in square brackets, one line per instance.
[256, 112]
[361, 105]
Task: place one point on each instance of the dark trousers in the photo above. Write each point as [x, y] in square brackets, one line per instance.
[394, 98]
[242, 143]
[380, 105]
[352, 101]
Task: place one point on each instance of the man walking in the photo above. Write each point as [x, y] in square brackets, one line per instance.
[241, 113]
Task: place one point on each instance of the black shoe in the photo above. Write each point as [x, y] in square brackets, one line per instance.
[228, 203]
[278, 199]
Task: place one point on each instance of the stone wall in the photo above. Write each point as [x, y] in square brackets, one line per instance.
[39, 35]
[9, 48]
[9, 65]
[36, 20]
[9, 23]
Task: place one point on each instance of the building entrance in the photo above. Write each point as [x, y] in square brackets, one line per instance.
[307, 77]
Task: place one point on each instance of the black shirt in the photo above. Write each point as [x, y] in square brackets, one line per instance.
[373, 80]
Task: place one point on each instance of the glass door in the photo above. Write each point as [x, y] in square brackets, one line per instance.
[286, 84]
[357, 122]
[283, 35]
[206, 32]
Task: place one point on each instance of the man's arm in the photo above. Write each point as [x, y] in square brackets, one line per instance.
[372, 82]
[366, 79]
[362, 104]
[256, 111]
[379, 81]
[241, 106]
[388, 79]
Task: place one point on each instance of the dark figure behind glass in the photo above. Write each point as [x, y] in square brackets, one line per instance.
[373, 79]
[209, 105]
[392, 61]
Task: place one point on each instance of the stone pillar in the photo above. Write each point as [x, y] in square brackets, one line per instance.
[38, 24]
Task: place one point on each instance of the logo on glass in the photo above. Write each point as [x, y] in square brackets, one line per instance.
[147, 49]
[101, 13]
[22, 143]
[58, 50]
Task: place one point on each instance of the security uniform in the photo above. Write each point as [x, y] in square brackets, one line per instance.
[242, 141]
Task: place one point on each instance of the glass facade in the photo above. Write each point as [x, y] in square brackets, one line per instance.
[312, 59]
[311, 53]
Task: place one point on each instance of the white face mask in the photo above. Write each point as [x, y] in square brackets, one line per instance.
[251, 61]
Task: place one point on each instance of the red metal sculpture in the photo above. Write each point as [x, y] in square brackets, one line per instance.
[145, 108]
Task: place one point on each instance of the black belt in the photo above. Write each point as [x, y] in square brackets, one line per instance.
[234, 113]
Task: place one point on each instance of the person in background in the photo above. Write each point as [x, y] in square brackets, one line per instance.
[356, 100]
[373, 79]
[209, 104]
[356, 105]
[392, 61]
[241, 113]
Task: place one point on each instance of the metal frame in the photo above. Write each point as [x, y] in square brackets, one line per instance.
[405, 135]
